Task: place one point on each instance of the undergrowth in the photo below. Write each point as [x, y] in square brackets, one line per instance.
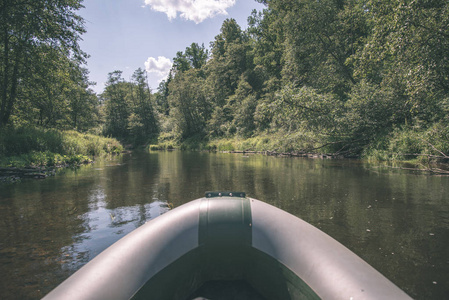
[26, 146]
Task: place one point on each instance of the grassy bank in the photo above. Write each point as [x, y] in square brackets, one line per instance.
[266, 142]
[411, 145]
[35, 147]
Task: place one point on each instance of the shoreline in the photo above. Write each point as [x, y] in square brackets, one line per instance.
[433, 168]
[16, 174]
[288, 154]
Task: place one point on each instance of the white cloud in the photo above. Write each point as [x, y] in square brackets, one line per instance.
[193, 10]
[161, 66]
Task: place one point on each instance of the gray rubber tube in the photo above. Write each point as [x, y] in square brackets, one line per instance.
[331, 270]
[123, 268]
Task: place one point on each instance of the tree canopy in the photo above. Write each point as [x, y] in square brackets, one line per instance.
[38, 47]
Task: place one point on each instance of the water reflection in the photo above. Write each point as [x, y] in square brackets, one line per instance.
[397, 221]
[103, 227]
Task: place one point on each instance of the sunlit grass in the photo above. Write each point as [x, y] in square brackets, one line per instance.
[24, 147]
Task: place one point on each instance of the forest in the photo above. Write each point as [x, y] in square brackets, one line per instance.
[357, 78]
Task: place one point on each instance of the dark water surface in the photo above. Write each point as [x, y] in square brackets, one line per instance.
[396, 221]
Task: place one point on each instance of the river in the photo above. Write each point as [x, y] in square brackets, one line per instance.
[397, 221]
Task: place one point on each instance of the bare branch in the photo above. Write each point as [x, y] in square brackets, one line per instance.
[434, 148]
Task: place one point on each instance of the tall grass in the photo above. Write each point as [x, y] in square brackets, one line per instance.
[16, 141]
[280, 142]
[411, 144]
[29, 146]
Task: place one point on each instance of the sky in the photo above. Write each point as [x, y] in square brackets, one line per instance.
[129, 34]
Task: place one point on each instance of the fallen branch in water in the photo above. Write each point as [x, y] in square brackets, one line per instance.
[347, 144]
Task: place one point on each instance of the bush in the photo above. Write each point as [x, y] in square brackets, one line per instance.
[371, 111]
[411, 144]
[153, 147]
[166, 145]
[15, 141]
[22, 147]
[305, 109]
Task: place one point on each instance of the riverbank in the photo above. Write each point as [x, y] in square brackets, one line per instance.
[274, 143]
[402, 151]
[38, 153]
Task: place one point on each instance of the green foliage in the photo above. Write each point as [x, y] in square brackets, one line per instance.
[116, 105]
[40, 57]
[162, 145]
[16, 141]
[222, 145]
[196, 55]
[129, 109]
[371, 111]
[412, 144]
[305, 108]
[189, 106]
[352, 77]
[44, 159]
[408, 50]
[154, 147]
[231, 58]
[28, 146]
[318, 39]
[142, 122]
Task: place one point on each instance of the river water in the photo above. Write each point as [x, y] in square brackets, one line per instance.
[397, 221]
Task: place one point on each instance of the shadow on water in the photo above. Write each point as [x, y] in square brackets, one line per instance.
[397, 221]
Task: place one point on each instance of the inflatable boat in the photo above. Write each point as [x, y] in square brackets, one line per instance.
[227, 237]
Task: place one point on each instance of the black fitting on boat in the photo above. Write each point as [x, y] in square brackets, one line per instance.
[225, 194]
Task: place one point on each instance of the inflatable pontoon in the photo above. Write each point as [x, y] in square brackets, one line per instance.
[226, 236]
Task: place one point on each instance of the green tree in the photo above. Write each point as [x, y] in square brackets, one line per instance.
[197, 55]
[26, 28]
[230, 59]
[83, 102]
[161, 97]
[266, 29]
[230, 33]
[188, 104]
[45, 88]
[180, 62]
[307, 109]
[371, 113]
[243, 104]
[143, 124]
[55, 93]
[408, 51]
[117, 106]
[317, 38]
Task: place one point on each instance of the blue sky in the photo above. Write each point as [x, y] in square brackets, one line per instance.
[129, 34]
